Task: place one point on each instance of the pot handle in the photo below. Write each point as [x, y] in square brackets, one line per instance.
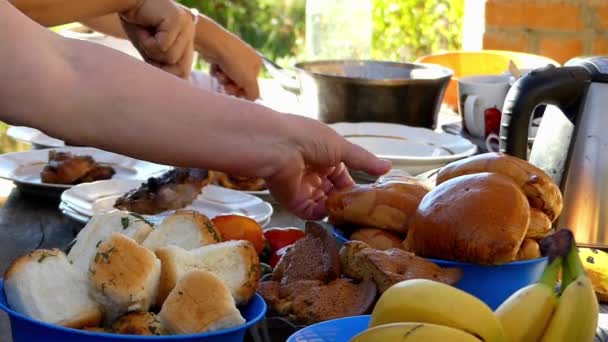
[287, 78]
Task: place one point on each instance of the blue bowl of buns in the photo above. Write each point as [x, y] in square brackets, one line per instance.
[25, 329]
[492, 284]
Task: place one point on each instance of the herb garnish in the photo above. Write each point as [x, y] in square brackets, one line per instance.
[125, 222]
[104, 256]
[211, 228]
[44, 256]
[98, 243]
[141, 218]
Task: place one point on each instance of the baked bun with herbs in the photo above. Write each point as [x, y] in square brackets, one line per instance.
[480, 218]
[123, 276]
[200, 302]
[100, 228]
[235, 262]
[187, 229]
[44, 285]
[138, 323]
[539, 188]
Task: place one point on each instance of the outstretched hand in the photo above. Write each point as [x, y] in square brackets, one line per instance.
[314, 165]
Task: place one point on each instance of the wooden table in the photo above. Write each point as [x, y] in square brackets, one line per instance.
[29, 222]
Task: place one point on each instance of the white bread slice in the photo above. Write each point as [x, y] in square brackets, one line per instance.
[100, 228]
[235, 262]
[123, 276]
[44, 285]
[200, 302]
[187, 229]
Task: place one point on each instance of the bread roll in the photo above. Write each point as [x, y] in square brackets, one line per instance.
[538, 186]
[100, 228]
[480, 218]
[235, 262]
[43, 285]
[200, 302]
[377, 238]
[540, 225]
[187, 229]
[138, 323]
[387, 206]
[124, 276]
[529, 250]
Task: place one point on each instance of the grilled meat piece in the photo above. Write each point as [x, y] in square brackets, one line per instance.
[173, 190]
[65, 168]
[312, 301]
[314, 257]
[387, 268]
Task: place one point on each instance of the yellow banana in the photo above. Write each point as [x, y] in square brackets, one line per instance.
[526, 314]
[427, 301]
[576, 316]
[413, 332]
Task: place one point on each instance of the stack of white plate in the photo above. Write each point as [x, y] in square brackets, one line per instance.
[85, 200]
[414, 150]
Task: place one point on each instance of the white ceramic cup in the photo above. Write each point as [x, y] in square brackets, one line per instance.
[481, 98]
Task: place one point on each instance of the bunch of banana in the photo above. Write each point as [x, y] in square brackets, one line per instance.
[538, 313]
[596, 265]
[425, 310]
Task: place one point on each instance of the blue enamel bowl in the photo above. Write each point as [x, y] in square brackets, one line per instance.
[492, 284]
[336, 330]
[25, 329]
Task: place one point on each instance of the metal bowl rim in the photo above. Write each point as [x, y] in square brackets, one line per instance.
[448, 73]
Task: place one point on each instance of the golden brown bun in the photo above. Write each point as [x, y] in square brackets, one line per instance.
[199, 302]
[138, 323]
[529, 250]
[538, 186]
[385, 206]
[480, 218]
[540, 225]
[377, 238]
[123, 276]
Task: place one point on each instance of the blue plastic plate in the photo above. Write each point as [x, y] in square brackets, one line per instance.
[26, 329]
[337, 330]
[492, 284]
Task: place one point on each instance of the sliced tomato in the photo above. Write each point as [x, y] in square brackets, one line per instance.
[237, 227]
[281, 237]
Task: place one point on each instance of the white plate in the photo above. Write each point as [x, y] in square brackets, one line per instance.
[85, 200]
[24, 167]
[412, 149]
[33, 136]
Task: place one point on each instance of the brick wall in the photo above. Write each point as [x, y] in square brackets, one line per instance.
[559, 29]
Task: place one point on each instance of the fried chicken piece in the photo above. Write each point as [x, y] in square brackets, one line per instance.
[65, 168]
[99, 172]
[389, 267]
[242, 183]
[173, 190]
[314, 257]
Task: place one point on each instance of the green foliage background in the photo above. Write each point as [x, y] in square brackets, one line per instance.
[403, 29]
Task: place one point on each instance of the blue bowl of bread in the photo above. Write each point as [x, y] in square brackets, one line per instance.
[126, 280]
[485, 216]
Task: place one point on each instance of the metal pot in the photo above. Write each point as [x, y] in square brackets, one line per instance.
[357, 91]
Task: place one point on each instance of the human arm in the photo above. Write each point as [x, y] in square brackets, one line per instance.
[94, 96]
[162, 31]
[107, 24]
[235, 64]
